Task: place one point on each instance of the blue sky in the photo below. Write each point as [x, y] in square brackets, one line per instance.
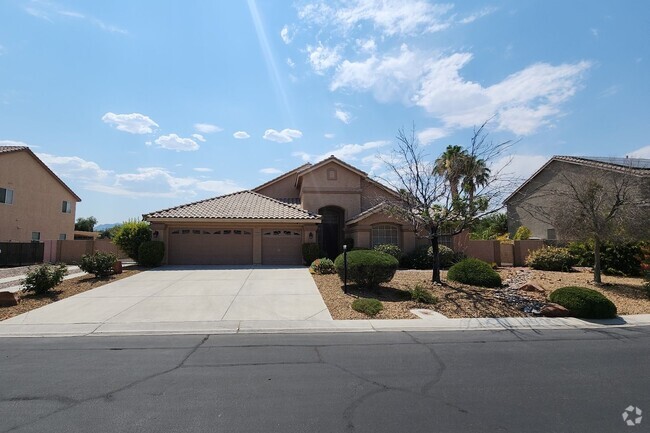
[144, 105]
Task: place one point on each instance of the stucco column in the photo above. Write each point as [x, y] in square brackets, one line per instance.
[408, 241]
[257, 246]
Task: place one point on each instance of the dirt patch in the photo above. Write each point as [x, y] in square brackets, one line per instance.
[64, 290]
[458, 300]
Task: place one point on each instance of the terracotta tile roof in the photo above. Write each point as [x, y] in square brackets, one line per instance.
[240, 205]
[7, 149]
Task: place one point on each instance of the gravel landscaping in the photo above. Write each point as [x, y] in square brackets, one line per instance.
[459, 300]
[64, 290]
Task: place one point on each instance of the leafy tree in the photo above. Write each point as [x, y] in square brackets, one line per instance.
[490, 227]
[130, 235]
[449, 193]
[85, 224]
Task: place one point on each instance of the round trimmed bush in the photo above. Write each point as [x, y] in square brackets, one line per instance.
[367, 268]
[391, 249]
[583, 302]
[551, 259]
[323, 266]
[368, 306]
[151, 253]
[99, 263]
[474, 272]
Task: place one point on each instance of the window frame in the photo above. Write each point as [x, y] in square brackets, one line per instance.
[8, 193]
[66, 206]
[386, 227]
[38, 237]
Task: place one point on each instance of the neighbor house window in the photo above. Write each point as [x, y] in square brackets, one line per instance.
[66, 207]
[63, 236]
[36, 236]
[384, 234]
[6, 196]
[550, 234]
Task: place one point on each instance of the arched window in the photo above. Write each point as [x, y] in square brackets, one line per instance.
[384, 234]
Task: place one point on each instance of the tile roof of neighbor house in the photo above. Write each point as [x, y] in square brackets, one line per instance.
[245, 205]
[635, 166]
[9, 149]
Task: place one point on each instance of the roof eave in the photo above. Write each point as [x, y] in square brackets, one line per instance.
[233, 220]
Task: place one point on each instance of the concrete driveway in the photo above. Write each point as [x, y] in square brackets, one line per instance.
[191, 294]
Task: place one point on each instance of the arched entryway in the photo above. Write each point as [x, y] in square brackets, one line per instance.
[330, 231]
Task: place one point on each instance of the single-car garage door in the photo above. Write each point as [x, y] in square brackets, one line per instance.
[281, 247]
[210, 246]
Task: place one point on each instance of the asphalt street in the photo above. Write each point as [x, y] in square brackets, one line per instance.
[465, 381]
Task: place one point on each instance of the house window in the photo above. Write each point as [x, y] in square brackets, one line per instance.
[63, 236]
[550, 234]
[36, 236]
[384, 234]
[66, 207]
[6, 196]
[331, 174]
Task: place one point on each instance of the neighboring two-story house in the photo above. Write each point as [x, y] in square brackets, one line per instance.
[534, 201]
[35, 205]
[325, 203]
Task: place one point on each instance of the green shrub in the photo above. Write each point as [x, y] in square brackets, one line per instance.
[323, 266]
[422, 257]
[474, 272]
[368, 268]
[522, 234]
[391, 249]
[551, 259]
[311, 251]
[130, 235]
[422, 295]
[100, 264]
[151, 253]
[368, 306]
[42, 278]
[583, 302]
[615, 259]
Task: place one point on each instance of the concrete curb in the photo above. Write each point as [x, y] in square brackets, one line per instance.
[315, 326]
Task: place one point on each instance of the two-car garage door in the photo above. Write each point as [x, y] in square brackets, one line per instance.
[214, 246]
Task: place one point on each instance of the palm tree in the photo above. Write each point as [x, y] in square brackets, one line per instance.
[451, 164]
[475, 174]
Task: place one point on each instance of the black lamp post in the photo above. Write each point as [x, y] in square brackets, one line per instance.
[345, 269]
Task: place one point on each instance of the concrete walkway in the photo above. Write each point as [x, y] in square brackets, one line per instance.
[188, 295]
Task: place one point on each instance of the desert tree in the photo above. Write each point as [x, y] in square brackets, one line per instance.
[86, 224]
[447, 193]
[598, 205]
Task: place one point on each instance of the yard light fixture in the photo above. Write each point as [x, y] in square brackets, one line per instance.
[345, 269]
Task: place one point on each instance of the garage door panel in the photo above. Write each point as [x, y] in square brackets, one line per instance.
[211, 247]
[281, 247]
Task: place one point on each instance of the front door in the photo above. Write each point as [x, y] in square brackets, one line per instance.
[330, 231]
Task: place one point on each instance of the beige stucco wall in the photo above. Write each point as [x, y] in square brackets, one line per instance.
[37, 201]
[372, 195]
[317, 191]
[284, 188]
[361, 232]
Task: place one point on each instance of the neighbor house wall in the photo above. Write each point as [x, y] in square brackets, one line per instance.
[37, 201]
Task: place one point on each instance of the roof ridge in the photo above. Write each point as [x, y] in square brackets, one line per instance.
[180, 206]
[281, 202]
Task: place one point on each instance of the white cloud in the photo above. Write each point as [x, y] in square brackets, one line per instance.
[14, 143]
[219, 187]
[290, 63]
[519, 167]
[207, 128]
[49, 11]
[270, 171]
[594, 32]
[134, 123]
[429, 135]
[476, 15]
[284, 34]
[390, 17]
[366, 45]
[241, 135]
[199, 137]
[174, 142]
[74, 167]
[322, 58]
[202, 169]
[329, 135]
[343, 116]
[522, 102]
[284, 136]
[346, 152]
[643, 152]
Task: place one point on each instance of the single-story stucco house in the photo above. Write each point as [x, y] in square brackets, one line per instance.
[324, 203]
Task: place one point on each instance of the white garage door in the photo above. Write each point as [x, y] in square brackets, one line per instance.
[281, 247]
[210, 246]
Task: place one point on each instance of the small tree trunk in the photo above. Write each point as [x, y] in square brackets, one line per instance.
[435, 275]
[597, 278]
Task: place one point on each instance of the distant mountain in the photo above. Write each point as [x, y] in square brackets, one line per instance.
[102, 227]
